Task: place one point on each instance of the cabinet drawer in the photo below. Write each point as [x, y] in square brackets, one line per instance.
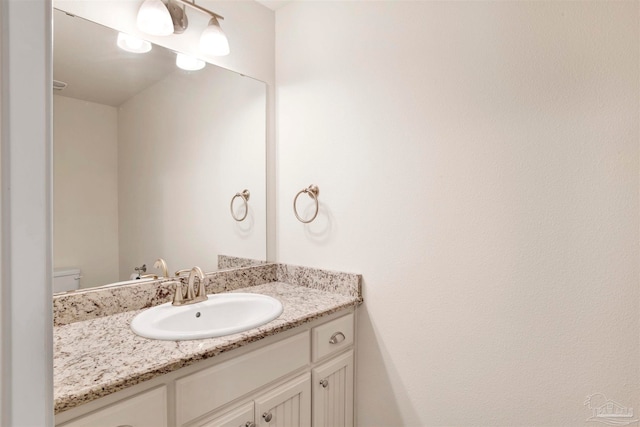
[237, 417]
[148, 409]
[206, 390]
[332, 337]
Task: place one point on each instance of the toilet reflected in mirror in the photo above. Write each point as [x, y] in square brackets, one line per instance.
[66, 279]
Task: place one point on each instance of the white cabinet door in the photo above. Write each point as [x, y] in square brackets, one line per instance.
[148, 409]
[241, 416]
[286, 406]
[333, 392]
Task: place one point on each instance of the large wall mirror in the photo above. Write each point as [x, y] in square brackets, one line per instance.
[147, 157]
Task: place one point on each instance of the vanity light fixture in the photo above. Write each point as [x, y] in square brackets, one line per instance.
[154, 18]
[133, 44]
[160, 19]
[213, 41]
[179, 17]
[189, 63]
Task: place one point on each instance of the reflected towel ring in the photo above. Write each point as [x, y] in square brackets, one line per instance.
[245, 198]
[313, 192]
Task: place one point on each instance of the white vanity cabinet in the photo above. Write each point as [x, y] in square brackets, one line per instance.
[288, 405]
[299, 378]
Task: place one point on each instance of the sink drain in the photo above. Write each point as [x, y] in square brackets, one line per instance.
[198, 314]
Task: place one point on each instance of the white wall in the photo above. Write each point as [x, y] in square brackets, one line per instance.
[85, 177]
[187, 145]
[26, 375]
[478, 164]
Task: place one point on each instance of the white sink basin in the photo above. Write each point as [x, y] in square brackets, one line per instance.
[221, 314]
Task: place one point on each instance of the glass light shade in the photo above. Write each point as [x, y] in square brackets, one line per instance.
[213, 41]
[189, 63]
[154, 18]
[133, 44]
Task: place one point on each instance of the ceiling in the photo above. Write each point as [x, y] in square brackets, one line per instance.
[86, 57]
[274, 4]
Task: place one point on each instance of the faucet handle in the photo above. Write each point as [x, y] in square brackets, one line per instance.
[178, 297]
[202, 291]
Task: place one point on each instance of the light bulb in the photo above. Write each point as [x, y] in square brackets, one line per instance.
[189, 63]
[154, 18]
[213, 41]
[133, 44]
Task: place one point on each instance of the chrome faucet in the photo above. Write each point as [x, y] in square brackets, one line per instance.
[191, 295]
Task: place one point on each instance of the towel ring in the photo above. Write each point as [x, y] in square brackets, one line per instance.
[245, 198]
[313, 192]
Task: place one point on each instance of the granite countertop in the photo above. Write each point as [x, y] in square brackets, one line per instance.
[97, 357]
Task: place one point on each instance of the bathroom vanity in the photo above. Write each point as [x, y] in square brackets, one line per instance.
[297, 370]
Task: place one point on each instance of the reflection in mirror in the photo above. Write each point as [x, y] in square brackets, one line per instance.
[147, 158]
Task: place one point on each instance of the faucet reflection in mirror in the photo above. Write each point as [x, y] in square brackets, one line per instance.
[160, 264]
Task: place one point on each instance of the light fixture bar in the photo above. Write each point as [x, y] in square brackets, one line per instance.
[200, 8]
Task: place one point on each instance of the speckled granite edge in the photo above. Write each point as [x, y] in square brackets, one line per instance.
[99, 302]
[226, 261]
[348, 284]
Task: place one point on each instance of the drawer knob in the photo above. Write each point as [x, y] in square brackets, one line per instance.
[250, 424]
[336, 338]
[267, 416]
[324, 383]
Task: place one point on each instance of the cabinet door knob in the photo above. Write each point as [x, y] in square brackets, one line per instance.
[250, 424]
[337, 338]
[324, 383]
[267, 416]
